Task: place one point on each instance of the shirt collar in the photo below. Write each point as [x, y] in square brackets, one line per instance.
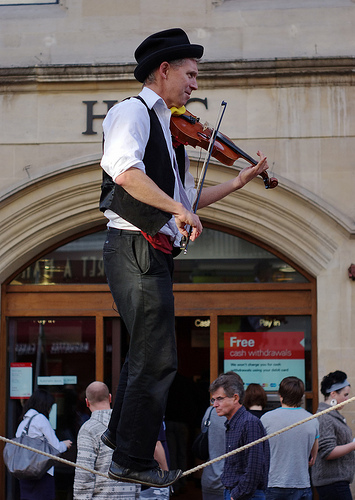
[31, 412]
[151, 98]
[235, 417]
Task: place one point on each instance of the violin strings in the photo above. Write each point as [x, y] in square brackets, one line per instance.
[197, 168]
[208, 154]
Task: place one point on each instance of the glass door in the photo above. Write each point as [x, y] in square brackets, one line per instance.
[58, 355]
[188, 396]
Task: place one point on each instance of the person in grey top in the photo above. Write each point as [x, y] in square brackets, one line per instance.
[294, 451]
[334, 468]
[212, 487]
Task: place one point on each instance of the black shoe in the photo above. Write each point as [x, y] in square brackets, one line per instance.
[108, 439]
[156, 477]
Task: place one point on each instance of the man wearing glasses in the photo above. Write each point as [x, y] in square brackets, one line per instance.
[245, 474]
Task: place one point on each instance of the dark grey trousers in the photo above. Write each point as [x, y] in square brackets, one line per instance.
[140, 280]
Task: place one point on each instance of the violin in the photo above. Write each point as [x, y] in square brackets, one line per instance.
[187, 129]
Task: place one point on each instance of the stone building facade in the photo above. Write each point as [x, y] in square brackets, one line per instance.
[286, 71]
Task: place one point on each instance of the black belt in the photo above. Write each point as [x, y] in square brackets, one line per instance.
[122, 231]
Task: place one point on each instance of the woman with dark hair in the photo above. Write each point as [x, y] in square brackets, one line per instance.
[38, 406]
[255, 399]
[334, 468]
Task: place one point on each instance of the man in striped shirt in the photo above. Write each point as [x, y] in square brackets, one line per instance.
[95, 455]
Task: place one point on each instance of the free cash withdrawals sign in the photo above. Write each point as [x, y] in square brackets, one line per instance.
[265, 358]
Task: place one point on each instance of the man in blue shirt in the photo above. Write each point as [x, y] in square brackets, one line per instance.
[245, 474]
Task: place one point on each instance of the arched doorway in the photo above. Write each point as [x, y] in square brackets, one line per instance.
[63, 325]
[57, 209]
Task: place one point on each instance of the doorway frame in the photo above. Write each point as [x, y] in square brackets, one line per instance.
[203, 299]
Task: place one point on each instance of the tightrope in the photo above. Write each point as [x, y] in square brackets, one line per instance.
[58, 459]
[198, 467]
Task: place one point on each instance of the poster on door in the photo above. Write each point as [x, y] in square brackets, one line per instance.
[20, 380]
[265, 358]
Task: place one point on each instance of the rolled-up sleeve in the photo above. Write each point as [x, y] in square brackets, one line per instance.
[126, 131]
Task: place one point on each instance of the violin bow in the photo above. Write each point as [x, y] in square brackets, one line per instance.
[185, 239]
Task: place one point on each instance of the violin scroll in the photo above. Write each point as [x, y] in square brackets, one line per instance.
[269, 182]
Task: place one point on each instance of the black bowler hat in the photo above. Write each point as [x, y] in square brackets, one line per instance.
[166, 45]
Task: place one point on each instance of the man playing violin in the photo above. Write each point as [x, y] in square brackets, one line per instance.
[147, 196]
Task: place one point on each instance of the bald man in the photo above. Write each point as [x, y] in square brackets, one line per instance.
[95, 455]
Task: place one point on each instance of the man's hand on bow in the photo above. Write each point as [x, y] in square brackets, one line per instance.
[186, 218]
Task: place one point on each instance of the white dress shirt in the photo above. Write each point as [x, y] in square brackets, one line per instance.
[126, 131]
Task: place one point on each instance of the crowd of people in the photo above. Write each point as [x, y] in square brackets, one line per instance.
[316, 455]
